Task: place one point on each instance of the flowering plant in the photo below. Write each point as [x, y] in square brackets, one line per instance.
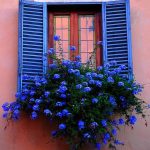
[82, 101]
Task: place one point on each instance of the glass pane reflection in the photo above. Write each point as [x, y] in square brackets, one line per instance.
[86, 36]
[62, 28]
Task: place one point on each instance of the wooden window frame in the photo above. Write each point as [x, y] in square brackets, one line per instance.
[74, 40]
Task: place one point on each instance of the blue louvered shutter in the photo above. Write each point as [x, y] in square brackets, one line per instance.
[117, 33]
[32, 40]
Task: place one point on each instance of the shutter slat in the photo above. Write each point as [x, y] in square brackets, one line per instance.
[32, 49]
[36, 62]
[33, 28]
[33, 24]
[33, 35]
[33, 19]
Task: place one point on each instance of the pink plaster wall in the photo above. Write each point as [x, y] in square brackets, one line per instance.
[34, 135]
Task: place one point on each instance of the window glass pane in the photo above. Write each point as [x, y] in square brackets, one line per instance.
[86, 36]
[62, 28]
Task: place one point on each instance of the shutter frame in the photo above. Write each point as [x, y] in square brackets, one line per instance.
[128, 32]
[21, 39]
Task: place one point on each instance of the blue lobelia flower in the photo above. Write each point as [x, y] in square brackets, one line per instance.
[47, 112]
[114, 123]
[51, 51]
[25, 77]
[78, 86]
[62, 126]
[84, 83]
[17, 95]
[111, 73]
[104, 123]
[122, 98]
[46, 94]
[38, 101]
[16, 105]
[35, 107]
[16, 113]
[94, 75]
[34, 115]
[106, 136]
[56, 37]
[52, 66]
[112, 101]
[110, 80]
[100, 76]
[132, 120]
[121, 121]
[63, 96]
[78, 58]
[56, 76]
[59, 104]
[117, 70]
[86, 135]
[120, 84]
[37, 84]
[43, 81]
[6, 106]
[62, 89]
[88, 75]
[71, 71]
[66, 63]
[98, 146]
[122, 67]
[94, 100]
[32, 93]
[94, 125]
[91, 81]
[77, 72]
[23, 97]
[65, 112]
[59, 114]
[32, 100]
[81, 124]
[63, 83]
[114, 132]
[87, 89]
[99, 68]
[72, 48]
[98, 83]
[77, 64]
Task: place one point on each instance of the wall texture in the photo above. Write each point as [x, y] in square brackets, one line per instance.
[34, 135]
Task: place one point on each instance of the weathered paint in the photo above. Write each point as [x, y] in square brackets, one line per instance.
[34, 135]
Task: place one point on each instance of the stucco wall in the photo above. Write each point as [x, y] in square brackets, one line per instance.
[34, 135]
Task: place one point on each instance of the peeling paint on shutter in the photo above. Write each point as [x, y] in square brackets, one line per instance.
[32, 40]
[117, 34]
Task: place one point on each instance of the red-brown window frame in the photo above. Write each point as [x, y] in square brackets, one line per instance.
[74, 40]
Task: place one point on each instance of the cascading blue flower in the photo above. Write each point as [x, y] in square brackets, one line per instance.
[94, 100]
[104, 123]
[62, 126]
[81, 125]
[81, 96]
[56, 37]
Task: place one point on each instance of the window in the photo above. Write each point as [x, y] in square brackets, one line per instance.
[78, 26]
[112, 27]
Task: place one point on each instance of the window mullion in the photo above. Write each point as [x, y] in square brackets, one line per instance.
[74, 33]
